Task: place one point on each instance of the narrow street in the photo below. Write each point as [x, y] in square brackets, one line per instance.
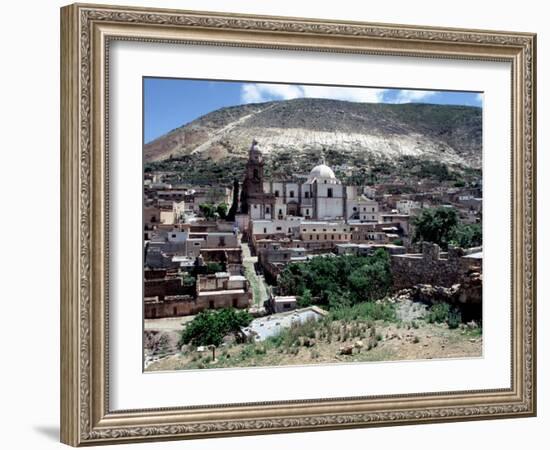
[257, 282]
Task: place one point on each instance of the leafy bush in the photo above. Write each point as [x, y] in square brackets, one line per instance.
[208, 210]
[187, 280]
[212, 211]
[459, 183]
[438, 313]
[213, 267]
[221, 210]
[209, 327]
[443, 313]
[367, 311]
[454, 319]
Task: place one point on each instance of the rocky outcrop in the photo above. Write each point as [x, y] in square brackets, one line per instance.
[467, 292]
[465, 296]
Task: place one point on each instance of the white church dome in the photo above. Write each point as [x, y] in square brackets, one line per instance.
[322, 171]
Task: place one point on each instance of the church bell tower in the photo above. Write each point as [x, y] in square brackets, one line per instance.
[253, 185]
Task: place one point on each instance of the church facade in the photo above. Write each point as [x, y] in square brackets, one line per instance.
[321, 197]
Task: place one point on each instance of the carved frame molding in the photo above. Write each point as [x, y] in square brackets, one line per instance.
[86, 31]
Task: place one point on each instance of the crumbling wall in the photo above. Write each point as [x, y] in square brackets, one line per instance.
[431, 267]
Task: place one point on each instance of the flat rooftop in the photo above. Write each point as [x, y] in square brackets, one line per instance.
[283, 299]
[223, 292]
[478, 255]
[266, 327]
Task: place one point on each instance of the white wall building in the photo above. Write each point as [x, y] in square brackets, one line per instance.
[406, 206]
[284, 226]
[321, 197]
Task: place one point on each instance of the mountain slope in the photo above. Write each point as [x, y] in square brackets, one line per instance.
[348, 133]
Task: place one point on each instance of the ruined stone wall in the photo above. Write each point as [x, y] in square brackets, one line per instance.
[165, 287]
[185, 305]
[430, 267]
[180, 306]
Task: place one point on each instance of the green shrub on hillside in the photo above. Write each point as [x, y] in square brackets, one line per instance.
[211, 326]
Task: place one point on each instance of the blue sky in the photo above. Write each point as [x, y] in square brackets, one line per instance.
[170, 103]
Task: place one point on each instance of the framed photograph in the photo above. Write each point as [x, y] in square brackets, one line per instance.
[276, 224]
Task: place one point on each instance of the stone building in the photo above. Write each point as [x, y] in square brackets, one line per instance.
[321, 197]
[254, 201]
[330, 233]
[223, 290]
[282, 304]
[170, 306]
[275, 256]
[167, 296]
[434, 267]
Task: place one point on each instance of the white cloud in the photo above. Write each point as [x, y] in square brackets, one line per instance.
[260, 92]
[410, 96]
[264, 92]
[342, 93]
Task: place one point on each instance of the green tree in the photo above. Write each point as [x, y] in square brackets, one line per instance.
[459, 183]
[436, 225]
[213, 267]
[208, 210]
[211, 326]
[340, 280]
[235, 204]
[466, 236]
[187, 279]
[305, 299]
[221, 209]
[370, 281]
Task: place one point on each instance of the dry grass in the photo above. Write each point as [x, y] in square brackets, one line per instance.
[321, 343]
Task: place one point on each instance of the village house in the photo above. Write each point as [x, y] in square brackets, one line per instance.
[223, 290]
[166, 295]
[280, 304]
[275, 257]
[402, 220]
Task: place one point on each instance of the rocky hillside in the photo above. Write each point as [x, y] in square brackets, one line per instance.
[359, 139]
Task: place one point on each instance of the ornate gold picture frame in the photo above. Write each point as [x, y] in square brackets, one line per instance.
[87, 31]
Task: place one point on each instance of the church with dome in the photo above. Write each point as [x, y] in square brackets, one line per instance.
[321, 197]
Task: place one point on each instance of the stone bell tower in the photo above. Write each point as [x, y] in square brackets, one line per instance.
[252, 195]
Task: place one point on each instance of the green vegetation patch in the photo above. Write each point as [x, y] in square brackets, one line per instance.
[444, 313]
[338, 281]
[369, 311]
[441, 226]
[211, 326]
